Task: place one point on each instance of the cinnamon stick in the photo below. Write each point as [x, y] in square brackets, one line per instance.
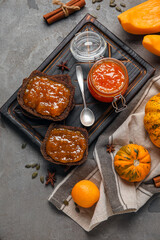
[157, 181]
[58, 10]
[59, 13]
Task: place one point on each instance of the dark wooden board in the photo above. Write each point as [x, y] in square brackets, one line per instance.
[139, 72]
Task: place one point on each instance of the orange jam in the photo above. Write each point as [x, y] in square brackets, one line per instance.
[46, 96]
[107, 79]
[64, 145]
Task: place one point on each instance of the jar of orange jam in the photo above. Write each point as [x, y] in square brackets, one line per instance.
[108, 81]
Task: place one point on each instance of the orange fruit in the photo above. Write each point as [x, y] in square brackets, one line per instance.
[85, 193]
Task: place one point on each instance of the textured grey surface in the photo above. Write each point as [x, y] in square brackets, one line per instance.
[25, 41]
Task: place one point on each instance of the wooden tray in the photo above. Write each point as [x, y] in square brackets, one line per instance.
[139, 72]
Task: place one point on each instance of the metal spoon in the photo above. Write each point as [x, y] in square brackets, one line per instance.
[87, 117]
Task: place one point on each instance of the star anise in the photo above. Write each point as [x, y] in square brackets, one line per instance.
[110, 148]
[50, 178]
[63, 66]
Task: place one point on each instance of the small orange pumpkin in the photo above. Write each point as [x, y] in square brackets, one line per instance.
[152, 119]
[132, 162]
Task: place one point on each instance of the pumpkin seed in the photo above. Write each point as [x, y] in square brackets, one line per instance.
[34, 165]
[118, 9]
[34, 175]
[98, 7]
[42, 179]
[28, 166]
[93, 1]
[99, 0]
[94, 16]
[38, 167]
[65, 202]
[24, 145]
[112, 1]
[123, 4]
[112, 4]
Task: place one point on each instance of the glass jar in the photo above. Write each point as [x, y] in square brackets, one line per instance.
[108, 81]
[87, 46]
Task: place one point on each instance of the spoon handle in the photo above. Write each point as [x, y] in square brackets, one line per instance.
[81, 82]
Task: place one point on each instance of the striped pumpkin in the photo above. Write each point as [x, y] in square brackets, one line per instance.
[132, 162]
[152, 119]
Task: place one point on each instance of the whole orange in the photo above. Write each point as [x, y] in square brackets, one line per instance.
[85, 193]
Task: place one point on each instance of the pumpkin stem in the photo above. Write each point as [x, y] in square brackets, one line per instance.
[136, 162]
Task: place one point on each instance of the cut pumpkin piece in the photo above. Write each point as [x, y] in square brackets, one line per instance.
[152, 44]
[142, 19]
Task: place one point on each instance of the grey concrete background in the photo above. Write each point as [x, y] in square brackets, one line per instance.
[25, 41]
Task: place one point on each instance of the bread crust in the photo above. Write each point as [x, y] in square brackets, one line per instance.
[43, 145]
[63, 79]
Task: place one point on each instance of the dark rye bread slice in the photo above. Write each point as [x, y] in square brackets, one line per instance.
[43, 145]
[63, 79]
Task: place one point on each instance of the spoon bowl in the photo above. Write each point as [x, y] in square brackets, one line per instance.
[87, 117]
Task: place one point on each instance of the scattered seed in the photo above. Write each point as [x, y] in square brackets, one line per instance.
[112, 1]
[65, 202]
[94, 16]
[38, 167]
[42, 179]
[112, 4]
[77, 210]
[34, 165]
[123, 4]
[34, 175]
[24, 145]
[98, 7]
[27, 166]
[93, 1]
[118, 9]
[99, 0]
